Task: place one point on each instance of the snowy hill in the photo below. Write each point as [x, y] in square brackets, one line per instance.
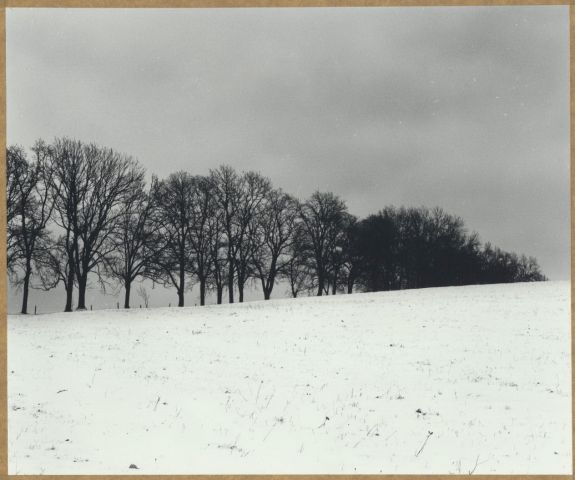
[344, 384]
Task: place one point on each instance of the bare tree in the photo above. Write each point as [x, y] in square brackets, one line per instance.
[28, 234]
[115, 182]
[90, 185]
[218, 254]
[174, 219]
[227, 190]
[323, 218]
[131, 241]
[200, 233]
[69, 188]
[272, 235]
[254, 190]
[298, 270]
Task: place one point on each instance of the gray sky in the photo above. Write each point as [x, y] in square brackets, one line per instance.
[466, 108]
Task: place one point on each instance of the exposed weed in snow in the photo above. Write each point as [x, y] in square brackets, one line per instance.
[429, 434]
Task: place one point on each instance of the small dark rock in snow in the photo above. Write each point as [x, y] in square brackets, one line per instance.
[133, 465]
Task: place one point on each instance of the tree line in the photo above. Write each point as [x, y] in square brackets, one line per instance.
[78, 212]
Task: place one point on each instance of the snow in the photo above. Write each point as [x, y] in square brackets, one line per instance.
[343, 384]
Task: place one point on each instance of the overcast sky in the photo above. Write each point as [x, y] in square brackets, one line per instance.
[466, 108]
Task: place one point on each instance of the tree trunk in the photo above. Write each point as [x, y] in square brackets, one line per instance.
[241, 290]
[292, 286]
[69, 295]
[69, 288]
[269, 288]
[26, 287]
[266, 287]
[82, 283]
[219, 293]
[202, 291]
[230, 281]
[127, 287]
[320, 278]
[182, 285]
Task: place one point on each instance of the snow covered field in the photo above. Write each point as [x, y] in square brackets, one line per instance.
[344, 384]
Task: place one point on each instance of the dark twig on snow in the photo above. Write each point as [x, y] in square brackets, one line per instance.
[472, 471]
[323, 424]
[429, 433]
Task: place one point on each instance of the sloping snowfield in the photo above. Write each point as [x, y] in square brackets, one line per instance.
[344, 384]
